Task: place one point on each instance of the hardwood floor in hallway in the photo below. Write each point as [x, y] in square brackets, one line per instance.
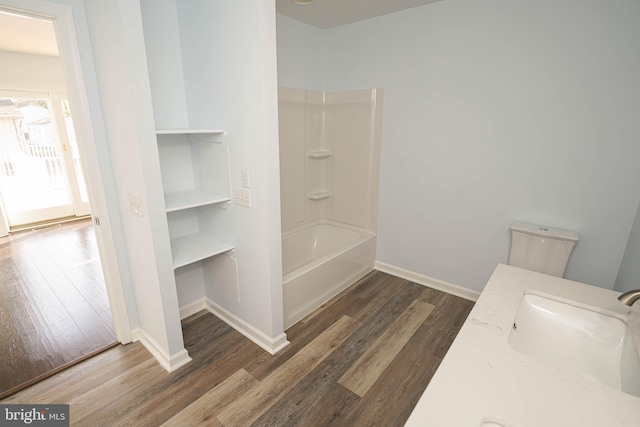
[362, 359]
[54, 309]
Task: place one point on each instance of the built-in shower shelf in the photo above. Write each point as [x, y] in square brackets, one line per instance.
[319, 154]
[319, 195]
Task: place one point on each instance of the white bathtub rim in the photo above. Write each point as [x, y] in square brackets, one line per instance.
[317, 262]
[306, 225]
[367, 235]
[300, 314]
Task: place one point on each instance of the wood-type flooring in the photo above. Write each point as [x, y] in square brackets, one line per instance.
[362, 359]
[54, 309]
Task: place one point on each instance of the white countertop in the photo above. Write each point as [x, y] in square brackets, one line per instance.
[483, 379]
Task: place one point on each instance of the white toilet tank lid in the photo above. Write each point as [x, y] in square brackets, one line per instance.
[548, 232]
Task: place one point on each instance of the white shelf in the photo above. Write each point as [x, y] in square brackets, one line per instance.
[192, 199]
[189, 249]
[202, 135]
[319, 154]
[319, 195]
[189, 131]
[194, 173]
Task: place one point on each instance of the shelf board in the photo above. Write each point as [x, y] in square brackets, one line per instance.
[319, 195]
[188, 131]
[189, 249]
[319, 154]
[195, 135]
[192, 199]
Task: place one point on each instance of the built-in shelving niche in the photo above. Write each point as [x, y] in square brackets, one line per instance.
[195, 176]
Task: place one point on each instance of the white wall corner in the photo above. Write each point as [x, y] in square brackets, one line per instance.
[450, 288]
[271, 345]
[168, 362]
[193, 308]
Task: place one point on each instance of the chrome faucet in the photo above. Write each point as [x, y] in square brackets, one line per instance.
[628, 298]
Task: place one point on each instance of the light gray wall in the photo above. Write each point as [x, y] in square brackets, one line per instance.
[498, 111]
[117, 41]
[230, 74]
[300, 54]
[164, 56]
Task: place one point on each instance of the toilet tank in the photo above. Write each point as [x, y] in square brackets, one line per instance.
[542, 249]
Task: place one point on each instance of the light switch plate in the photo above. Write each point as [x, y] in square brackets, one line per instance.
[244, 176]
[242, 197]
[135, 204]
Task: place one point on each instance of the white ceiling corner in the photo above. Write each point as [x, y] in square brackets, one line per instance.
[333, 13]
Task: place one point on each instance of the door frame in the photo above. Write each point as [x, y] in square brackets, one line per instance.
[80, 208]
[100, 189]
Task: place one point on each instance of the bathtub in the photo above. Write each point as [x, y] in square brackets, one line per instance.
[319, 261]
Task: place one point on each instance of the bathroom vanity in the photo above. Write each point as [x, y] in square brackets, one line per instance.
[502, 371]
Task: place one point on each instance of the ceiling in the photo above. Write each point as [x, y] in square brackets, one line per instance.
[24, 34]
[332, 13]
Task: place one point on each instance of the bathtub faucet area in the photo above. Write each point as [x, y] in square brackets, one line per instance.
[628, 298]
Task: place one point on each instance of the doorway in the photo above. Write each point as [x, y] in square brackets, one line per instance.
[52, 276]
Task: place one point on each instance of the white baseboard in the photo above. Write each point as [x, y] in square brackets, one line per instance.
[271, 345]
[193, 308]
[170, 363]
[421, 279]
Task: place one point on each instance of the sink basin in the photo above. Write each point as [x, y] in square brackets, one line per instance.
[578, 339]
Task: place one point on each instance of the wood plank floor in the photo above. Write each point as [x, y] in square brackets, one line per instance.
[53, 303]
[362, 359]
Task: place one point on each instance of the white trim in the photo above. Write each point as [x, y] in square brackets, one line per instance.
[430, 282]
[35, 8]
[77, 95]
[271, 345]
[170, 363]
[193, 308]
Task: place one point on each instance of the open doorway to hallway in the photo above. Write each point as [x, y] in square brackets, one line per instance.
[54, 309]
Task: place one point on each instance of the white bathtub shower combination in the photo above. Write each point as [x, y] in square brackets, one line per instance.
[329, 173]
[319, 261]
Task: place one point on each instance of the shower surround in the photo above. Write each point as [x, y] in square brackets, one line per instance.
[329, 177]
